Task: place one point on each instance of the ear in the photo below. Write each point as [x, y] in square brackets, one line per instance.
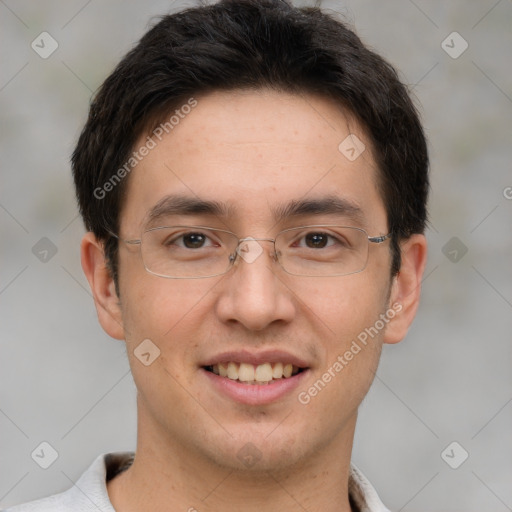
[406, 287]
[102, 286]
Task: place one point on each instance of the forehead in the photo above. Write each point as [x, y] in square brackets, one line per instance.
[256, 153]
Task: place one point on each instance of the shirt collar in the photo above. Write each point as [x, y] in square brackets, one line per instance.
[93, 482]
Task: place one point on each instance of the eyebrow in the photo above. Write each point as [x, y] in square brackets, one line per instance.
[327, 205]
[186, 205]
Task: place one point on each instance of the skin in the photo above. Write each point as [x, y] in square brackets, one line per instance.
[252, 150]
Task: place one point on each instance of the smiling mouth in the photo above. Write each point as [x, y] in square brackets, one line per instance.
[247, 373]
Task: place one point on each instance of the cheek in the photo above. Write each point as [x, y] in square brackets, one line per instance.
[170, 314]
[339, 385]
[344, 305]
[155, 307]
[352, 340]
[173, 315]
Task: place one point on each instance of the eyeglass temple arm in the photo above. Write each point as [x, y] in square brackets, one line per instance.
[131, 242]
[379, 239]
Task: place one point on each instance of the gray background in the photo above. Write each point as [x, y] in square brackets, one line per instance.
[65, 382]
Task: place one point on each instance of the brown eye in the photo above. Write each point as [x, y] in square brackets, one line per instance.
[188, 240]
[194, 240]
[316, 240]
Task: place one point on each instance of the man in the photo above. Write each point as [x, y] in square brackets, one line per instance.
[254, 182]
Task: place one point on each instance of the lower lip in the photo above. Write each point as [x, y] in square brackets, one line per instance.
[255, 394]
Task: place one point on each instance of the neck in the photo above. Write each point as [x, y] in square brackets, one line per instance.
[166, 475]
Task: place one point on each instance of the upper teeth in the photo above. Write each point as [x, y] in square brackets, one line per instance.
[246, 372]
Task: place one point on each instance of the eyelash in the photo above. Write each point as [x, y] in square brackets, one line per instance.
[302, 237]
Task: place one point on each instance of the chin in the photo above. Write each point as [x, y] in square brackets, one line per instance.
[254, 451]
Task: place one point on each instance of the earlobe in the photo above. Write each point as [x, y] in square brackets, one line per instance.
[406, 287]
[102, 286]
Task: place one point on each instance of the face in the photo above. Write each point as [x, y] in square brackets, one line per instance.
[255, 153]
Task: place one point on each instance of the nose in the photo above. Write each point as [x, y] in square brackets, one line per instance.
[254, 293]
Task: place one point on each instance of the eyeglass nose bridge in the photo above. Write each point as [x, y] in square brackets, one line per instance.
[249, 249]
